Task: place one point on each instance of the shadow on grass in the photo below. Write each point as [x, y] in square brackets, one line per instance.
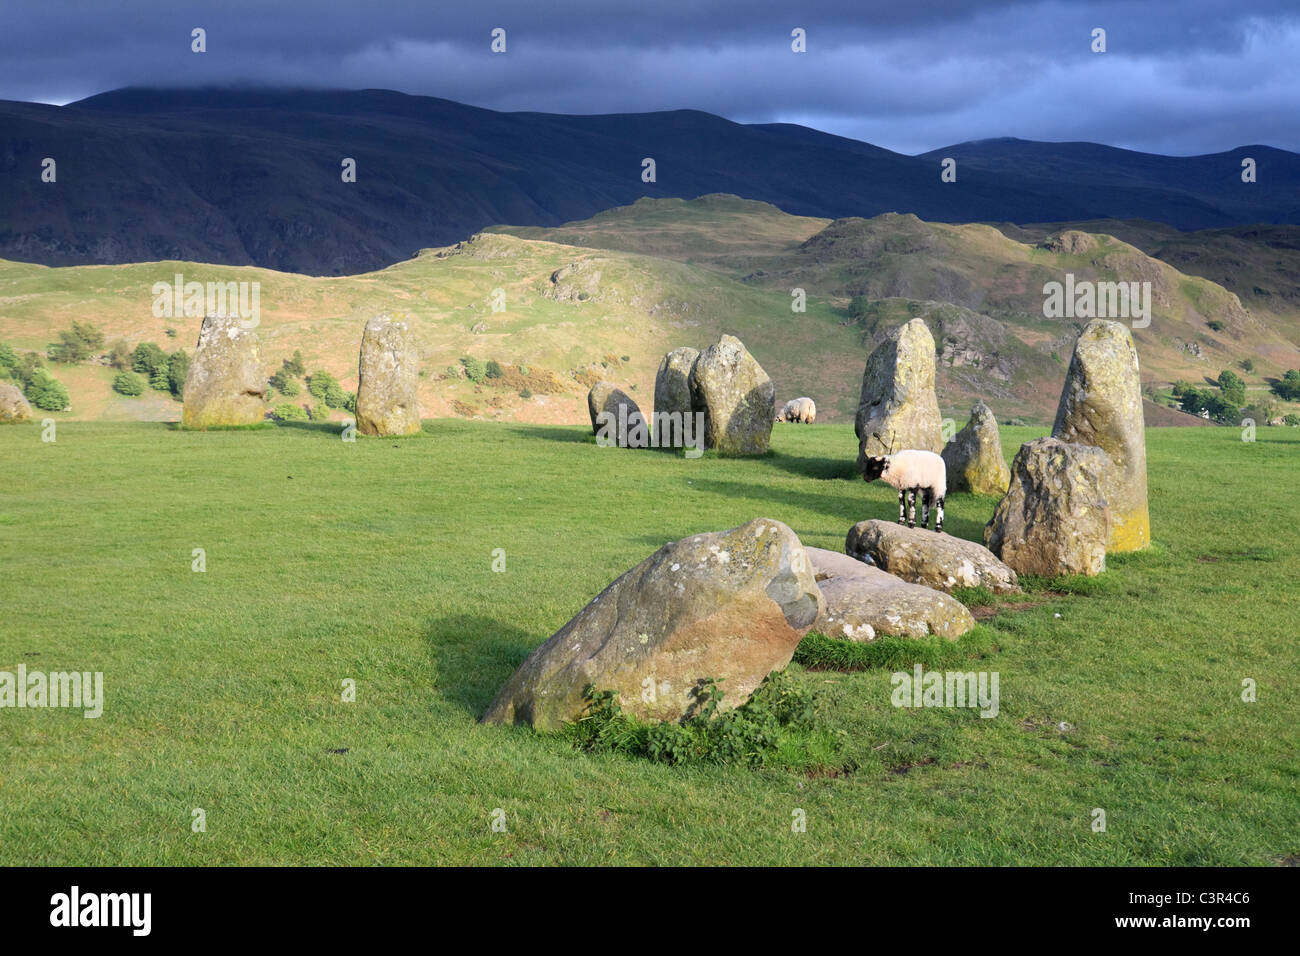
[328, 428]
[473, 655]
[561, 433]
[820, 469]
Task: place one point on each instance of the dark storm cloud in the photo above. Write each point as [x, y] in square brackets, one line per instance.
[1180, 76]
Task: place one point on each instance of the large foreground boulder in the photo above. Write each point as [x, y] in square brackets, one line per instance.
[1054, 519]
[729, 605]
[863, 603]
[1101, 405]
[936, 560]
[898, 400]
[974, 456]
[226, 383]
[736, 396]
[13, 406]
[388, 401]
[626, 426]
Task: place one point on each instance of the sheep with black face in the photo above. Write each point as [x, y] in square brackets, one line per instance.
[912, 471]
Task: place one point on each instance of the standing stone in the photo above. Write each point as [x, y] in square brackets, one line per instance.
[388, 400]
[13, 406]
[673, 382]
[730, 605]
[898, 401]
[1054, 519]
[226, 383]
[974, 456]
[627, 426]
[1101, 405]
[736, 396]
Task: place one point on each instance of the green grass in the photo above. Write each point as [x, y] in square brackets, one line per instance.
[372, 561]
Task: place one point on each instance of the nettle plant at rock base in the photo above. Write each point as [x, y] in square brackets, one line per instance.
[750, 735]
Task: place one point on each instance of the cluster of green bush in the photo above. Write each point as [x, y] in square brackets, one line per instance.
[285, 379]
[148, 365]
[1222, 406]
[37, 384]
[477, 370]
[326, 387]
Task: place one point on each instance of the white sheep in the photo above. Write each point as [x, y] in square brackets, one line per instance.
[798, 410]
[912, 471]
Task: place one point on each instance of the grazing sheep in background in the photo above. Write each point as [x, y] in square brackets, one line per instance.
[912, 471]
[798, 410]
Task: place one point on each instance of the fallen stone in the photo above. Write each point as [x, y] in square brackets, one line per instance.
[922, 557]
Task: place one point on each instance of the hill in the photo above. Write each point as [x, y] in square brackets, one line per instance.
[248, 177]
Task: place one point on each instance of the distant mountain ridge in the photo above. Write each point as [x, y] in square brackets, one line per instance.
[253, 176]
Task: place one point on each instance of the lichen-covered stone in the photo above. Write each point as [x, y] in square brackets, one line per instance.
[226, 383]
[937, 561]
[729, 605]
[673, 382]
[898, 400]
[627, 426]
[1101, 405]
[1054, 519]
[863, 603]
[736, 396]
[974, 456]
[388, 373]
[13, 405]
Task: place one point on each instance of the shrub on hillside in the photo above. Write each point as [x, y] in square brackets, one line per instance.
[294, 366]
[492, 369]
[128, 383]
[289, 412]
[45, 393]
[147, 358]
[475, 370]
[1292, 419]
[77, 344]
[8, 357]
[1248, 365]
[335, 397]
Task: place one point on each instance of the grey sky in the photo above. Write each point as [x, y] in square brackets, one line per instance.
[1180, 76]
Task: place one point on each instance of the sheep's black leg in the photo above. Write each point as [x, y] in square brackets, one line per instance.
[911, 508]
[938, 515]
[927, 500]
[901, 495]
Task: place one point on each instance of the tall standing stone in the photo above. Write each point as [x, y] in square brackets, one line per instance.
[736, 396]
[1054, 519]
[898, 400]
[388, 386]
[974, 457]
[673, 382]
[226, 383]
[1101, 405]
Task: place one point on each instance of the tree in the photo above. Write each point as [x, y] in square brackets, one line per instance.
[1289, 388]
[178, 367]
[128, 383]
[160, 380]
[318, 383]
[492, 369]
[295, 366]
[119, 356]
[77, 344]
[475, 370]
[148, 358]
[335, 397]
[8, 357]
[1233, 388]
[1248, 365]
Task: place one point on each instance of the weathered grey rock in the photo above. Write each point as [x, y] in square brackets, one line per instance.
[864, 603]
[729, 605]
[1054, 519]
[626, 428]
[388, 400]
[898, 400]
[673, 382]
[974, 456]
[798, 410]
[736, 396]
[13, 406]
[1101, 405]
[937, 561]
[226, 383]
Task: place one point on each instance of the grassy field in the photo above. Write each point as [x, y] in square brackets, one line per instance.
[371, 561]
